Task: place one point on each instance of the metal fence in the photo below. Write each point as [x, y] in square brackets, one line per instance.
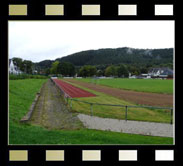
[69, 101]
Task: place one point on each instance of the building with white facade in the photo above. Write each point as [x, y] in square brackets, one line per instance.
[13, 69]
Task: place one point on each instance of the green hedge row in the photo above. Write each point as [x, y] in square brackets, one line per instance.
[26, 76]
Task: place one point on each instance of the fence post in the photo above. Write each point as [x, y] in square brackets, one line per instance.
[171, 121]
[67, 100]
[71, 103]
[91, 109]
[64, 98]
[126, 112]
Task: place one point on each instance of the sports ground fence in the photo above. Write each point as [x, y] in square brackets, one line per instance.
[69, 101]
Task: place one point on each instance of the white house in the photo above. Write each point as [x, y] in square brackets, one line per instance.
[160, 72]
[13, 69]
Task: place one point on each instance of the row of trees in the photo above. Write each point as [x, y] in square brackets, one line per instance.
[120, 71]
[111, 70]
[87, 71]
[68, 69]
[63, 68]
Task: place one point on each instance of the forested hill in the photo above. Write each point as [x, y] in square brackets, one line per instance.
[43, 64]
[121, 55]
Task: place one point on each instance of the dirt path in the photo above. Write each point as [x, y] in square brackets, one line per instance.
[142, 98]
[51, 112]
[135, 127]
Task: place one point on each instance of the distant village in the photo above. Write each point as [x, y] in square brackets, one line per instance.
[161, 73]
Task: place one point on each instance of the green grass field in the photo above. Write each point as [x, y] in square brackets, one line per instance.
[139, 114]
[142, 85]
[21, 96]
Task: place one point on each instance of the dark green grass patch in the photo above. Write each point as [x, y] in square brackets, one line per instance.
[141, 85]
[28, 134]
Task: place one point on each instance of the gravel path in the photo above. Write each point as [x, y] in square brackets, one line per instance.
[133, 127]
[51, 112]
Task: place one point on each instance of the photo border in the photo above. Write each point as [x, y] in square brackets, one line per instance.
[146, 154]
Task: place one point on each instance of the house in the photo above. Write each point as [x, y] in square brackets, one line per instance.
[161, 72]
[13, 69]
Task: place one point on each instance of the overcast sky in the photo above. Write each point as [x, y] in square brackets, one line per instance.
[41, 40]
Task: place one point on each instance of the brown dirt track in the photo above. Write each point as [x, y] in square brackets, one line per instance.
[143, 98]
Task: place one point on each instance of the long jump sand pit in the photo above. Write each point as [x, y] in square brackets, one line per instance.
[71, 90]
[142, 98]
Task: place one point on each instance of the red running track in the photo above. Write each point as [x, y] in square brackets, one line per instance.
[71, 90]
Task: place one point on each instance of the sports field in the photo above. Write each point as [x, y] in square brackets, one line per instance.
[21, 96]
[139, 114]
[141, 85]
[136, 97]
[72, 91]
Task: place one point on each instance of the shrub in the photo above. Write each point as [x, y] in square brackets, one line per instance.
[26, 76]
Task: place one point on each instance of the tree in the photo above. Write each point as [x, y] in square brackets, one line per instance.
[122, 71]
[66, 69]
[27, 66]
[92, 71]
[111, 71]
[143, 70]
[47, 71]
[100, 73]
[87, 71]
[54, 67]
[134, 70]
[18, 62]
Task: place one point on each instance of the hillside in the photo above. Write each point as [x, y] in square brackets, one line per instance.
[120, 55]
[43, 64]
[136, 59]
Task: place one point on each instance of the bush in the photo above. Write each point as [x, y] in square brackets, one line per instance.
[26, 76]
